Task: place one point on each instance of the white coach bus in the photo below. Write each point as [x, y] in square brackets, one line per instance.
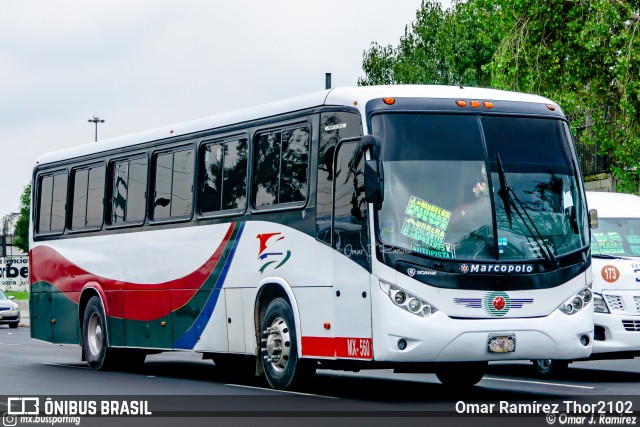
[616, 283]
[404, 227]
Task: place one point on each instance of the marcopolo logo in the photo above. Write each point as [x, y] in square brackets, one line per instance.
[268, 251]
[497, 268]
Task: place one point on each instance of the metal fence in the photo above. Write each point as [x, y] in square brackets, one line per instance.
[591, 161]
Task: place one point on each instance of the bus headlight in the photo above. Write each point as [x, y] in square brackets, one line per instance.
[599, 305]
[577, 302]
[407, 301]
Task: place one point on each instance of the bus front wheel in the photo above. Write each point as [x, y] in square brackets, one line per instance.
[460, 374]
[279, 348]
[550, 367]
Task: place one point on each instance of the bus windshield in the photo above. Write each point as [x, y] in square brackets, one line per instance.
[448, 196]
[617, 237]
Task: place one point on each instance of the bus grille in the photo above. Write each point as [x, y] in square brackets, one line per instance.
[631, 325]
[615, 303]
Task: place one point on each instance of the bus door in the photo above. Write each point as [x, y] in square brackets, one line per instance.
[351, 270]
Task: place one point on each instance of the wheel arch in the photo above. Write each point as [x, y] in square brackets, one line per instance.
[269, 289]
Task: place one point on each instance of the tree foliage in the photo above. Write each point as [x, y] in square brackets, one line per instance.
[21, 232]
[584, 54]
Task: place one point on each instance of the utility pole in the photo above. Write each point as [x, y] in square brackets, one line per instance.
[96, 120]
[327, 80]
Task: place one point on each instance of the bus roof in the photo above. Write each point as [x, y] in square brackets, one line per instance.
[346, 96]
[614, 205]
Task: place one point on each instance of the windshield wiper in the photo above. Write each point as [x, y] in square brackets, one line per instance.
[503, 192]
[510, 198]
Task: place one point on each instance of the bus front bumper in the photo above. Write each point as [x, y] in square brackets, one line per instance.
[439, 338]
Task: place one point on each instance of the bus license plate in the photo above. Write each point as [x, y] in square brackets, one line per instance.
[502, 343]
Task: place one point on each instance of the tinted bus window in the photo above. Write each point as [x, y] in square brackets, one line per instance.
[173, 185]
[59, 202]
[53, 203]
[79, 208]
[281, 172]
[95, 197]
[334, 126]
[223, 176]
[88, 198]
[129, 191]
[46, 192]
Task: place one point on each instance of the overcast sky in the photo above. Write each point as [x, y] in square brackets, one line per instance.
[141, 64]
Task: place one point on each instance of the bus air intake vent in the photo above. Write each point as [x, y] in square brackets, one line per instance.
[615, 303]
[631, 325]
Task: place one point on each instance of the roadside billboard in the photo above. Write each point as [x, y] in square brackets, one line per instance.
[14, 273]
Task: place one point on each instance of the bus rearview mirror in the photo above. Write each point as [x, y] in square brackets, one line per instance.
[593, 219]
[373, 181]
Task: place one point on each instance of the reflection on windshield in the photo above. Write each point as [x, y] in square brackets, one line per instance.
[441, 202]
[617, 236]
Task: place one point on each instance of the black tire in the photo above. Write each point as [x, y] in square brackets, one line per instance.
[461, 374]
[279, 348]
[550, 367]
[13, 325]
[95, 337]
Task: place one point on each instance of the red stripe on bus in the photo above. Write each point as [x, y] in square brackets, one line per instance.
[47, 265]
[340, 347]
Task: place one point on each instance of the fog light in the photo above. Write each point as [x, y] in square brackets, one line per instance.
[584, 340]
[587, 295]
[400, 297]
[414, 305]
[426, 310]
[402, 344]
[568, 308]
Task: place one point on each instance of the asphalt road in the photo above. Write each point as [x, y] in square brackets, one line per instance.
[178, 383]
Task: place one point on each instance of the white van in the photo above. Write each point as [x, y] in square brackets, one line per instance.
[615, 251]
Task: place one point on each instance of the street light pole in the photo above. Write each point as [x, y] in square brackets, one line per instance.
[96, 120]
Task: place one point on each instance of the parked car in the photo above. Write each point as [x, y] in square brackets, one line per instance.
[615, 251]
[9, 311]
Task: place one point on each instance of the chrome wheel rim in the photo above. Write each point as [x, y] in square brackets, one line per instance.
[277, 344]
[95, 335]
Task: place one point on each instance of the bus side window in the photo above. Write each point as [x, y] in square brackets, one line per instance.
[223, 176]
[282, 167]
[334, 126]
[88, 198]
[52, 203]
[129, 191]
[173, 185]
[350, 231]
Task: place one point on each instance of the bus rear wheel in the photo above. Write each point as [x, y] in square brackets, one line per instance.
[279, 349]
[94, 337]
[461, 374]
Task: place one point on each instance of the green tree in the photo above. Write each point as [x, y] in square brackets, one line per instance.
[21, 232]
[583, 54]
[440, 47]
